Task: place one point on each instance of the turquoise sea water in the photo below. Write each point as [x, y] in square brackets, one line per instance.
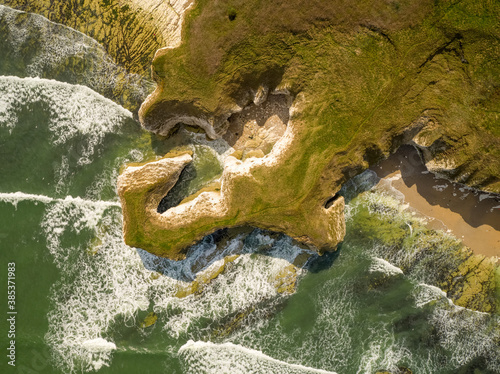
[81, 293]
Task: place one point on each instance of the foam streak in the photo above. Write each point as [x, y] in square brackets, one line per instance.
[250, 353]
[15, 197]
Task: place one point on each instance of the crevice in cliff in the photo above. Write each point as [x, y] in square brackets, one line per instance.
[380, 32]
[446, 48]
[331, 200]
[178, 191]
[201, 175]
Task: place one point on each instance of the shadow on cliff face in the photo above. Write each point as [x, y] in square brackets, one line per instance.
[179, 191]
[184, 136]
[475, 207]
[226, 244]
[318, 263]
[256, 128]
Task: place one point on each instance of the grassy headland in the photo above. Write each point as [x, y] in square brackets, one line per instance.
[366, 78]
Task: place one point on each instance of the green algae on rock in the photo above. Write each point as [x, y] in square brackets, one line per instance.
[169, 233]
[205, 277]
[366, 72]
[149, 320]
[401, 370]
[141, 189]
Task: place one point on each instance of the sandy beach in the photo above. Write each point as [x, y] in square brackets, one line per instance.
[470, 215]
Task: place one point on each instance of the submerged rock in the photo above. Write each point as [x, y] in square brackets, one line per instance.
[473, 283]
[286, 280]
[401, 370]
[205, 277]
[150, 320]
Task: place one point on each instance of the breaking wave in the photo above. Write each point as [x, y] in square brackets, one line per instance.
[61, 53]
[228, 358]
[73, 109]
[102, 279]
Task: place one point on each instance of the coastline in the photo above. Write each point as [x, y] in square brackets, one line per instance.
[472, 216]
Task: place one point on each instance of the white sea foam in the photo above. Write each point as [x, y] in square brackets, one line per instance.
[228, 358]
[426, 293]
[386, 186]
[98, 345]
[94, 289]
[455, 327]
[56, 44]
[383, 352]
[74, 111]
[384, 203]
[468, 334]
[249, 282]
[395, 177]
[98, 349]
[462, 333]
[336, 313]
[382, 266]
[120, 281]
[61, 175]
[319, 335]
[332, 336]
[15, 197]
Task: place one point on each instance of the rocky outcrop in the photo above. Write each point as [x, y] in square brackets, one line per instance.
[428, 256]
[365, 75]
[141, 189]
[460, 157]
[244, 190]
[400, 370]
[254, 131]
[167, 16]
[473, 283]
